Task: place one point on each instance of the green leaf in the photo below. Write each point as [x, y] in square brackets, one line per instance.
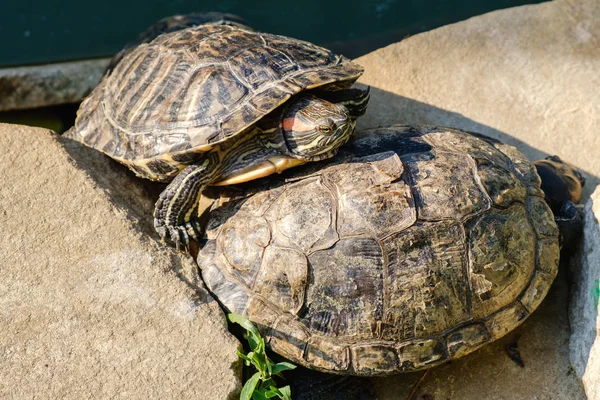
[272, 392]
[244, 322]
[269, 366]
[257, 357]
[268, 383]
[249, 387]
[244, 357]
[259, 395]
[282, 393]
[259, 365]
[282, 366]
[256, 342]
[285, 393]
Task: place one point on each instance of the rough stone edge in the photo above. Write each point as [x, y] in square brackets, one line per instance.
[49, 84]
[584, 307]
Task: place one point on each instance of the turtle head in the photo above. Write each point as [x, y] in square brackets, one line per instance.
[562, 185]
[561, 182]
[314, 128]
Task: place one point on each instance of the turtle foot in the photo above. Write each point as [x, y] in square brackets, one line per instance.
[180, 235]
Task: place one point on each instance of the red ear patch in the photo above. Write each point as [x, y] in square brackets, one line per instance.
[295, 124]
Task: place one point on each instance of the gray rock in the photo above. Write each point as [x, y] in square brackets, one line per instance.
[529, 77]
[89, 304]
[585, 304]
[47, 85]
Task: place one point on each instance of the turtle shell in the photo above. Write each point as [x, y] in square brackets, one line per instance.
[176, 23]
[413, 246]
[186, 91]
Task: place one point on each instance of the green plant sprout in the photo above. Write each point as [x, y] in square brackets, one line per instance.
[261, 385]
[596, 293]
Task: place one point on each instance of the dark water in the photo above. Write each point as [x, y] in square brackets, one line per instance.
[41, 31]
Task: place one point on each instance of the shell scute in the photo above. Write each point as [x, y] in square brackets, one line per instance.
[446, 187]
[324, 353]
[288, 336]
[242, 247]
[345, 295]
[548, 256]
[283, 278]
[418, 354]
[536, 291]
[466, 339]
[505, 320]
[501, 248]
[426, 280]
[369, 359]
[477, 147]
[541, 218]
[305, 223]
[502, 186]
[373, 199]
[524, 169]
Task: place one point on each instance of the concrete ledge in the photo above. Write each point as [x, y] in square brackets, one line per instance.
[48, 85]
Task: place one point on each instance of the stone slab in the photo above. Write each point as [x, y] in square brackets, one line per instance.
[91, 305]
[50, 84]
[585, 303]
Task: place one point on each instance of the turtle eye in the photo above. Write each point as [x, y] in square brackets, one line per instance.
[326, 128]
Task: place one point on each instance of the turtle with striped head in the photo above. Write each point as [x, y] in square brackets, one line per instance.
[219, 104]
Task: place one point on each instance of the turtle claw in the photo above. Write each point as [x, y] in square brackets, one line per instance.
[193, 230]
[180, 235]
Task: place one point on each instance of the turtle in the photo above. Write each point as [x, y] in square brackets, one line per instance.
[217, 104]
[413, 246]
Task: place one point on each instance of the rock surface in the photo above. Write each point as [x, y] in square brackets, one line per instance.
[46, 85]
[529, 77]
[585, 304]
[89, 304]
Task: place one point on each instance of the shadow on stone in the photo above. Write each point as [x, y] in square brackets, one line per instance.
[135, 197]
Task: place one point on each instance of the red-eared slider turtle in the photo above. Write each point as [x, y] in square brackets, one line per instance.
[218, 104]
[413, 246]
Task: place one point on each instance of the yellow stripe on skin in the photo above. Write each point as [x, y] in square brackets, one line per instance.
[178, 193]
[275, 164]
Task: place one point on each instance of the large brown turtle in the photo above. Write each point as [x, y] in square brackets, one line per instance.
[412, 247]
[217, 103]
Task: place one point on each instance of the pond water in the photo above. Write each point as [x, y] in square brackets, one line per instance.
[41, 31]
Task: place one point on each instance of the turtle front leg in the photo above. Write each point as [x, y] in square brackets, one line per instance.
[176, 207]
